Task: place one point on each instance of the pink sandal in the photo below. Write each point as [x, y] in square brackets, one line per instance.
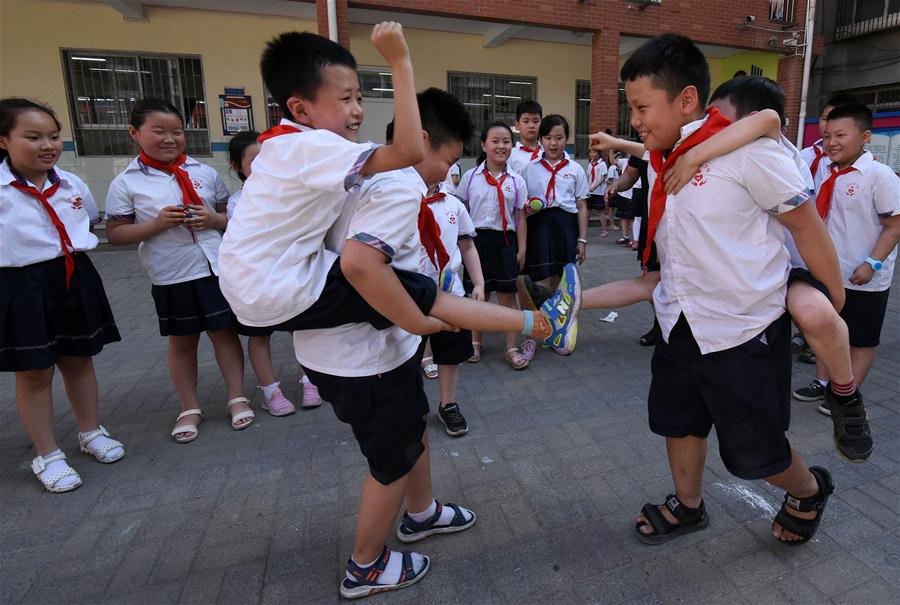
[278, 404]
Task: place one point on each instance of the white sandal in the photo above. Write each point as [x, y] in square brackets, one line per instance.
[100, 453]
[240, 415]
[429, 367]
[40, 464]
[187, 428]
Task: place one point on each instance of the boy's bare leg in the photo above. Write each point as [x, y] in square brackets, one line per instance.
[687, 455]
[418, 489]
[620, 293]
[798, 482]
[862, 359]
[823, 329]
[447, 375]
[378, 508]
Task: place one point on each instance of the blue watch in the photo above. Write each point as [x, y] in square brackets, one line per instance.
[875, 264]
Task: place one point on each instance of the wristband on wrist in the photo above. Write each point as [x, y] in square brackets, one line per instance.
[875, 264]
[582, 241]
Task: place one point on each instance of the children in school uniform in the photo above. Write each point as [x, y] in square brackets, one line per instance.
[724, 356]
[242, 150]
[860, 203]
[175, 208]
[612, 176]
[528, 148]
[597, 186]
[495, 196]
[624, 203]
[815, 156]
[53, 308]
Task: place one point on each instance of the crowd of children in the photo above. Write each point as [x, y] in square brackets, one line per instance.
[359, 251]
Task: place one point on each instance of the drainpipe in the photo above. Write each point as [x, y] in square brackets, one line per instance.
[331, 7]
[807, 68]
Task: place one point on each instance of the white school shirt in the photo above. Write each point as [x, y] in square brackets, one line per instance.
[621, 165]
[232, 203]
[803, 169]
[519, 158]
[721, 249]
[273, 255]
[447, 184]
[481, 198]
[382, 213]
[861, 199]
[27, 235]
[597, 185]
[171, 256]
[571, 184]
[451, 216]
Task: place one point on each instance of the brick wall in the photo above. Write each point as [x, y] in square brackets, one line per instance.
[342, 21]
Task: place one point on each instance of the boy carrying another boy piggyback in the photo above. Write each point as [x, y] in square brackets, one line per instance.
[356, 317]
[724, 356]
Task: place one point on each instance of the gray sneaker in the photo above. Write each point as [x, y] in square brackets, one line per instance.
[814, 392]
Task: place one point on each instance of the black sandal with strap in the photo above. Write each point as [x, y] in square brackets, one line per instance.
[852, 437]
[806, 528]
[689, 520]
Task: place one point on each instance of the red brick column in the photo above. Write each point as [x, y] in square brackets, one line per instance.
[790, 78]
[604, 80]
[342, 21]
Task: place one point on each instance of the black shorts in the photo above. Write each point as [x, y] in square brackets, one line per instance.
[596, 202]
[801, 274]
[192, 307]
[624, 207]
[744, 392]
[499, 260]
[451, 348]
[864, 314]
[386, 412]
[341, 304]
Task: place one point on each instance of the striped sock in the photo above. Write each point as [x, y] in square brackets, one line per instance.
[843, 390]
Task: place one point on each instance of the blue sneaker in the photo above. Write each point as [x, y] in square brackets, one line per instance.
[561, 310]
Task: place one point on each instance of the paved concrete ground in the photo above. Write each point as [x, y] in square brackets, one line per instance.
[558, 461]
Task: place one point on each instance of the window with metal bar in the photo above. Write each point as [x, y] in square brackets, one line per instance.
[103, 87]
[878, 98]
[489, 98]
[582, 117]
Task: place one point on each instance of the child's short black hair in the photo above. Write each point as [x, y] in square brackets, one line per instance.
[145, 107]
[9, 114]
[444, 118]
[292, 65]
[840, 98]
[547, 124]
[491, 126]
[751, 93]
[236, 147]
[672, 62]
[861, 114]
[529, 106]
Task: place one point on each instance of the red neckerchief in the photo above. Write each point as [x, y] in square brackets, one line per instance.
[551, 184]
[714, 123]
[189, 195]
[65, 242]
[534, 151]
[430, 233]
[276, 131]
[820, 153]
[826, 191]
[593, 169]
[500, 197]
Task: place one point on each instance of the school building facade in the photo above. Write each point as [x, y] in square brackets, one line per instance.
[90, 59]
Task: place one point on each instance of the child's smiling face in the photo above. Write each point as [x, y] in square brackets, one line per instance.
[33, 143]
[655, 116]
[497, 145]
[845, 140]
[337, 105]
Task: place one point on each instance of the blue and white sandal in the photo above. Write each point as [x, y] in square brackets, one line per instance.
[413, 531]
[365, 582]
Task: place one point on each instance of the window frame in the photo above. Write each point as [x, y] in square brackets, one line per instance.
[582, 117]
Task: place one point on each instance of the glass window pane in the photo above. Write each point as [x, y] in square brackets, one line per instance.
[489, 98]
[376, 83]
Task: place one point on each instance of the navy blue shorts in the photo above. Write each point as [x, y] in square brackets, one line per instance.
[864, 313]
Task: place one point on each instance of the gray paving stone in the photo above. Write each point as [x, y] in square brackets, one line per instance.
[557, 463]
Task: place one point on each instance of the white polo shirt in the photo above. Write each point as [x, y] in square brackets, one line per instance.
[27, 235]
[455, 223]
[597, 184]
[724, 263]
[232, 203]
[481, 198]
[519, 158]
[803, 169]
[274, 260]
[171, 256]
[861, 199]
[571, 184]
[383, 213]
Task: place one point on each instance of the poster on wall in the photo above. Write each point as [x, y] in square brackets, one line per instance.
[237, 111]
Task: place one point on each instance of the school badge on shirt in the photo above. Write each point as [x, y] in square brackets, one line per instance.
[451, 218]
[852, 188]
[197, 184]
[699, 179]
[77, 203]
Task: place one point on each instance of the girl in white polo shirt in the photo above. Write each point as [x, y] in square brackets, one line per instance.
[495, 197]
[53, 308]
[174, 207]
